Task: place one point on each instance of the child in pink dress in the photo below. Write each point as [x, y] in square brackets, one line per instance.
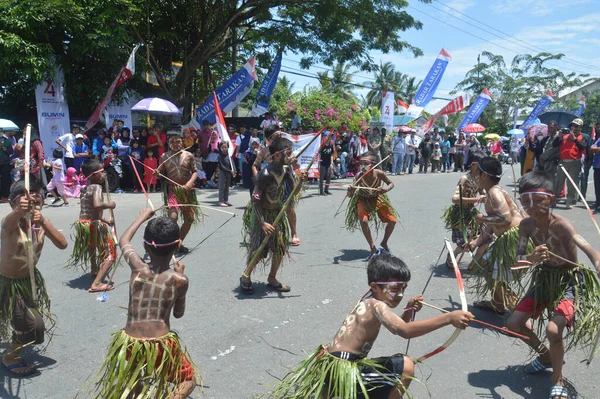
[150, 164]
[72, 188]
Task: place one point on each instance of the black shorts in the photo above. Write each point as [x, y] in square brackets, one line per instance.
[378, 382]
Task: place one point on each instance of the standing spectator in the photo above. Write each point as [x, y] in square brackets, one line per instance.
[325, 164]
[296, 120]
[267, 121]
[157, 140]
[124, 149]
[572, 147]
[226, 173]
[515, 148]
[473, 146]
[150, 165]
[137, 153]
[436, 137]
[212, 159]
[81, 152]
[550, 154]
[459, 155]
[385, 149]
[398, 151]
[587, 161]
[452, 150]
[38, 157]
[411, 152]
[98, 143]
[527, 165]
[67, 142]
[436, 159]
[242, 143]
[445, 148]
[189, 140]
[595, 151]
[497, 149]
[249, 157]
[58, 178]
[425, 148]
[6, 150]
[374, 143]
[144, 137]
[204, 136]
[344, 153]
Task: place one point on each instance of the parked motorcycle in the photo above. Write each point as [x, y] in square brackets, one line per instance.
[114, 172]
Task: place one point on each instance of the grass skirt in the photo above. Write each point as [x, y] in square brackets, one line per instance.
[93, 239]
[495, 267]
[352, 221]
[279, 241]
[10, 288]
[549, 285]
[175, 196]
[322, 375]
[135, 366]
[454, 222]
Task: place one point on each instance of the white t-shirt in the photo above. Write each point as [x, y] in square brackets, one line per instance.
[59, 174]
[68, 140]
[267, 122]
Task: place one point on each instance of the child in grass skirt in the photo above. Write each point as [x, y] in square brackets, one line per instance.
[460, 217]
[147, 358]
[94, 246]
[21, 311]
[562, 292]
[368, 203]
[342, 369]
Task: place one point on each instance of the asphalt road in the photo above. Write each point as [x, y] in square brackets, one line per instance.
[241, 343]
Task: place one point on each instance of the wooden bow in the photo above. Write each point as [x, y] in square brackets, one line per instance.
[29, 244]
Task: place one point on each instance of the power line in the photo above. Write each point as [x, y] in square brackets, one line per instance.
[531, 46]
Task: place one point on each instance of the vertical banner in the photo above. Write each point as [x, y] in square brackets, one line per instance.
[432, 80]
[230, 94]
[454, 106]
[387, 110]
[476, 109]
[298, 144]
[579, 111]
[123, 112]
[263, 97]
[52, 111]
[538, 109]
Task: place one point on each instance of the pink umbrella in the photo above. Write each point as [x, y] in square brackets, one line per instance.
[474, 128]
[405, 129]
[540, 130]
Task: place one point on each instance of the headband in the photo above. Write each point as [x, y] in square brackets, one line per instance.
[369, 294]
[93, 173]
[366, 159]
[537, 191]
[168, 244]
[487, 173]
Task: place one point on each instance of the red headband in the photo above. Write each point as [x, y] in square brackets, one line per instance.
[168, 244]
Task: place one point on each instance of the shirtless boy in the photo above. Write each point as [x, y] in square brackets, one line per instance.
[458, 222]
[271, 133]
[156, 363]
[19, 311]
[388, 278]
[94, 243]
[502, 222]
[566, 291]
[180, 167]
[267, 201]
[369, 201]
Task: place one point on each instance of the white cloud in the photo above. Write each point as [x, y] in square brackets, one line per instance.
[458, 5]
[534, 7]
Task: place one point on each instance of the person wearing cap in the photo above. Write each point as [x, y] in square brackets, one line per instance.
[81, 152]
[572, 148]
[67, 142]
[412, 143]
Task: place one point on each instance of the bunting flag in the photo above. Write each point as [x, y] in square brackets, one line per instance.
[476, 109]
[538, 109]
[579, 111]
[230, 94]
[263, 97]
[454, 106]
[124, 75]
[432, 80]
[221, 127]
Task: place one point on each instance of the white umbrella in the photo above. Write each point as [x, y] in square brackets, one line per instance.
[156, 105]
[8, 125]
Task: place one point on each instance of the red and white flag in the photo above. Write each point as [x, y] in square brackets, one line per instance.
[222, 128]
[402, 106]
[454, 106]
[125, 73]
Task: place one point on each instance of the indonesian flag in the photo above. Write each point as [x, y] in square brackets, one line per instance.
[454, 106]
[222, 128]
[581, 104]
[403, 106]
[125, 73]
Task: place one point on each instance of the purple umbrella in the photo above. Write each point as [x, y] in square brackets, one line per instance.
[157, 106]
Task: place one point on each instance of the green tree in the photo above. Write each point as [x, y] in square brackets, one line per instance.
[385, 78]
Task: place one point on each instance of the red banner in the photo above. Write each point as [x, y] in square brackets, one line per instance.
[454, 106]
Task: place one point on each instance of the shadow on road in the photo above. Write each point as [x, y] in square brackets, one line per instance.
[82, 282]
[12, 386]
[350, 255]
[262, 291]
[531, 386]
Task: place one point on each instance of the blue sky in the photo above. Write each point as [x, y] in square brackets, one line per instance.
[571, 27]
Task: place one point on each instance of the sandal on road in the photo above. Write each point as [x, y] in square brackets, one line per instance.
[279, 287]
[26, 369]
[246, 287]
[536, 366]
[295, 242]
[559, 392]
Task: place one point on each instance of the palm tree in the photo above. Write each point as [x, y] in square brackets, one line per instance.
[324, 80]
[286, 84]
[341, 81]
[386, 78]
[409, 89]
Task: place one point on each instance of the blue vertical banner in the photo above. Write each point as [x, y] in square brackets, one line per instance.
[432, 80]
[476, 109]
[538, 109]
[230, 94]
[263, 97]
[579, 111]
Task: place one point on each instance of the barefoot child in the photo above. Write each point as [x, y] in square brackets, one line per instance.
[499, 240]
[267, 201]
[19, 310]
[94, 244]
[342, 369]
[150, 164]
[147, 357]
[453, 219]
[563, 292]
[369, 201]
[180, 167]
[58, 178]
